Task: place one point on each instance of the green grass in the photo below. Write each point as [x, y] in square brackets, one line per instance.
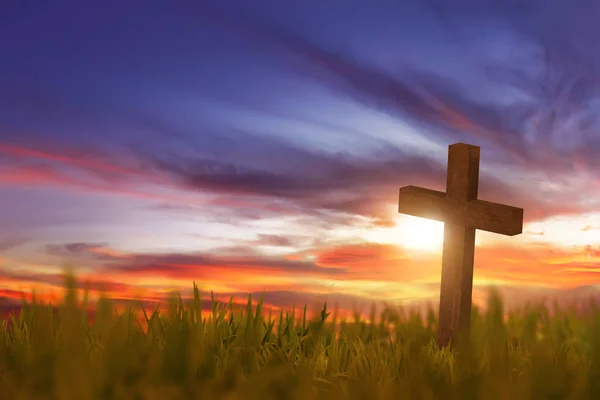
[249, 353]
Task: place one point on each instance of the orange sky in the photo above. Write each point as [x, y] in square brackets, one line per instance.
[553, 258]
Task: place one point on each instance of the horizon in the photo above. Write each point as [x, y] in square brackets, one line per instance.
[261, 149]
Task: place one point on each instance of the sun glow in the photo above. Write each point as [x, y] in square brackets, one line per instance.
[411, 232]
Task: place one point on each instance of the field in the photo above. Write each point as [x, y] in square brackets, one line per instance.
[249, 353]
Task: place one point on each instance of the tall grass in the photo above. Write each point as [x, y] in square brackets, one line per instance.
[249, 353]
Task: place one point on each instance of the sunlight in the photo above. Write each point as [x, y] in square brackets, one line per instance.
[420, 233]
[566, 231]
[411, 232]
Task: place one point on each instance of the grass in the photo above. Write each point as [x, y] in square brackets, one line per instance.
[249, 353]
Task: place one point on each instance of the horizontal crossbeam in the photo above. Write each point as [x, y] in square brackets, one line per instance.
[475, 214]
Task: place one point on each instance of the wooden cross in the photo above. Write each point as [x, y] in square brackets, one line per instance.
[462, 214]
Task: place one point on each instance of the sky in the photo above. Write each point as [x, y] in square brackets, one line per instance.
[258, 147]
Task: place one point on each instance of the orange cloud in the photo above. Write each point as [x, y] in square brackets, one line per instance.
[350, 275]
[537, 265]
[378, 261]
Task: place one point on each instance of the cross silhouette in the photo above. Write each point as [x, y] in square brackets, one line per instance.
[462, 213]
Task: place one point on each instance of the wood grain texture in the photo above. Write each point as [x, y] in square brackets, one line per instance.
[462, 213]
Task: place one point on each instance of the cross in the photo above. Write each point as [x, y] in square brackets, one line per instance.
[462, 213]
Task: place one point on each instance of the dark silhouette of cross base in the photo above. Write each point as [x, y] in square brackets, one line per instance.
[462, 213]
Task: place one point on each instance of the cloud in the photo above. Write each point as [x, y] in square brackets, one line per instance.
[285, 241]
[538, 264]
[565, 84]
[85, 252]
[531, 132]
[188, 266]
[245, 264]
[364, 273]
[299, 182]
[80, 159]
[442, 107]
[73, 248]
[94, 283]
[12, 242]
[322, 173]
[430, 100]
[33, 167]
[317, 261]
[335, 183]
[253, 176]
[592, 251]
[298, 176]
[218, 263]
[380, 262]
[27, 166]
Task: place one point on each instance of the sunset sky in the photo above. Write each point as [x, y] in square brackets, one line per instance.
[261, 148]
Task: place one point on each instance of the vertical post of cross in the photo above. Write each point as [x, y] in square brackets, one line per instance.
[459, 245]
